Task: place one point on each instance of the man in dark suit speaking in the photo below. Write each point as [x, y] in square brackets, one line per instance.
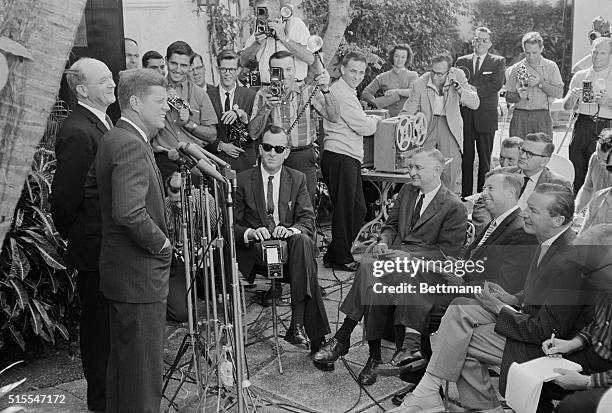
[485, 71]
[136, 252]
[78, 220]
[272, 201]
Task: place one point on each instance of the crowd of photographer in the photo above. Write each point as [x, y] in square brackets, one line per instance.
[276, 118]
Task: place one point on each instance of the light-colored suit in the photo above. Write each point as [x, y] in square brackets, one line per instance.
[443, 132]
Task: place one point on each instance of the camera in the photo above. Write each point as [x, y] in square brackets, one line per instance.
[254, 78]
[276, 81]
[594, 34]
[261, 22]
[178, 103]
[587, 91]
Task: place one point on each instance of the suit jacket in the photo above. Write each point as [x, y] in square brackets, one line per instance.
[133, 267]
[441, 229]
[488, 81]
[506, 254]
[243, 97]
[75, 148]
[480, 215]
[422, 98]
[294, 209]
[553, 301]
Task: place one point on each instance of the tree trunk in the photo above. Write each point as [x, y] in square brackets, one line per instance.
[47, 29]
[337, 21]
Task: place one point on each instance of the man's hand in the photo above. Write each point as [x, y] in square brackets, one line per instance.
[323, 80]
[575, 94]
[260, 38]
[534, 80]
[229, 117]
[380, 248]
[282, 232]
[489, 302]
[498, 292]
[555, 345]
[230, 149]
[522, 92]
[571, 380]
[184, 116]
[279, 28]
[272, 101]
[260, 234]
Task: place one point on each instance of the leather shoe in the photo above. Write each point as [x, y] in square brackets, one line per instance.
[324, 366]
[401, 362]
[367, 376]
[296, 335]
[330, 351]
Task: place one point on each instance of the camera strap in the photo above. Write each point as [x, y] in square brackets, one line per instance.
[301, 112]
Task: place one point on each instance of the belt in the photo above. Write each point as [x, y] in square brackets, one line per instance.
[532, 110]
[593, 118]
[301, 148]
[439, 116]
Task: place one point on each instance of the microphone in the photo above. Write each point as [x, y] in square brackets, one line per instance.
[202, 162]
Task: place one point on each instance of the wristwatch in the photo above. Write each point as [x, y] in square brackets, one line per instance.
[540, 85]
[325, 92]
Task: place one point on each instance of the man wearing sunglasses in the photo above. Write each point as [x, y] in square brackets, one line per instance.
[233, 105]
[272, 201]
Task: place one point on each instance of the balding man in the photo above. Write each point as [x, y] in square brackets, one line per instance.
[78, 220]
[132, 54]
[593, 116]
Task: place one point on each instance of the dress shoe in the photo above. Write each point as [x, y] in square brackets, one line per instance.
[297, 336]
[401, 362]
[331, 351]
[399, 397]
[367, 376]
[413, 404]
[324, 366]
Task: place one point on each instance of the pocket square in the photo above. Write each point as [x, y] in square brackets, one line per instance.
[289, 205]
[486, 73]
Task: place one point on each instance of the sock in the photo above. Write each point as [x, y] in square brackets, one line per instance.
[297, 313]
[374, 346]
[316, 344]
[400, 335]
[343, 334]
[428, 386]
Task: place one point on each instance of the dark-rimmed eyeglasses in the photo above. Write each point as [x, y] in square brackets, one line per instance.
[439, 74]
[480, 40]
[278, 149]
[529, 154]
[231, 70]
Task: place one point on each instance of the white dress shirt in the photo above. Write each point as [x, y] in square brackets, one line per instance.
[475, 59]
[99, 114]
[223, 97]
[544, 246]
[533, 180]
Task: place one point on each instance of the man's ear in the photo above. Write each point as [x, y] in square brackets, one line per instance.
[134, 103]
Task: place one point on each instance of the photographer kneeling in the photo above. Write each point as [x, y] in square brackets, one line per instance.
[272, 202]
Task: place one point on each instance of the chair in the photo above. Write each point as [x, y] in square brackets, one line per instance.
[562, 166]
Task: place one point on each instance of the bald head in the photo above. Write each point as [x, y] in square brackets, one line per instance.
[92, 83]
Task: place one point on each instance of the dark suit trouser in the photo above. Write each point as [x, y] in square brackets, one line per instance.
[584, 401]
[342, 175]
[245, 161]
[306, 161]
[591, 363]
[483, 141]
[94, 337]
[134, 374]
[584, 141]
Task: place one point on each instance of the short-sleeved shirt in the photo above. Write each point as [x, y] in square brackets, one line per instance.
[304, 132]
[388, 81]
[202, 113]
[599, 80]
[548, 71]
[297, 31]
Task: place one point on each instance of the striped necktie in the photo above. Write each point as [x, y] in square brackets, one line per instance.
[488, 233]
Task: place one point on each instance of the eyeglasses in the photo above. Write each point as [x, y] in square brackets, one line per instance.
[278, 149]
[480, 40]
[439, 74]
[227, 70]
[529, 154]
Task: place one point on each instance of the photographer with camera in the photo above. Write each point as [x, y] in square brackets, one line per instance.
[287, 216]
[277, 29]
[292, 106]
[600, 28]
[588, 97]
[191, 117]
[233, 105]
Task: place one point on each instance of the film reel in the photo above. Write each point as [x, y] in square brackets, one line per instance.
[411, 132]
[419, 129]
[403, 134]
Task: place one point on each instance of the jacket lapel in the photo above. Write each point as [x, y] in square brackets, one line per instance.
[405, 219]
[433, 207]
[284, 196]
[92, 118]
[258, 194]
[216, 100]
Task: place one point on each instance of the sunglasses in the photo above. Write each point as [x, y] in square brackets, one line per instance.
[278, 149]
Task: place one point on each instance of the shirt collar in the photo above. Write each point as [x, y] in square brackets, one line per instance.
[265, 174]
[99, 114]
[552, 239]
[182, 85]
[505, 215]
[222, 90]
[431, 193]
[481, 57]
[142, 134]
[534, 178]
[346, 85]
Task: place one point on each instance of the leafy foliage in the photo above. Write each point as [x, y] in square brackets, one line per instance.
[36, 289]
[224, 29]
[510, 21]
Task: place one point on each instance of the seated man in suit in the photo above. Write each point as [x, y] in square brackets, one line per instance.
[488, 330]
[534, 155]
[281, 208]
[233, 105]
[427, 220]
[591, 348]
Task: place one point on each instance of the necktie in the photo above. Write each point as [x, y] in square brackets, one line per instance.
[488, 232]
[270, 204]
[109, 122]
[543, 251]
[417, 211]
[226, 106]
[525, 182]
[477, 65]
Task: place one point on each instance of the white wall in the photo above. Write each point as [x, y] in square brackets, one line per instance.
[154, 24]
[584, 13]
